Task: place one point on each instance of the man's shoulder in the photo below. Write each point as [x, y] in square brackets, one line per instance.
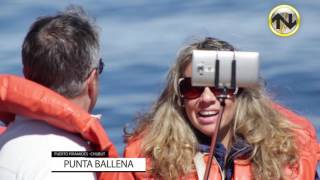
[27, 145]
[28, 133]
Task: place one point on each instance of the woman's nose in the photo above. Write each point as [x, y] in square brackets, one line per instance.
[208, 96]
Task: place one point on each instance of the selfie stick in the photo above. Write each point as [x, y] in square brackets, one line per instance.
[221, 99]
[225, 71]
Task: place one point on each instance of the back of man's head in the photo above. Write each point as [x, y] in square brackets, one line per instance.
[61, 51]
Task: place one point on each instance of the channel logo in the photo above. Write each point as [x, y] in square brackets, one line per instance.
[284, 20]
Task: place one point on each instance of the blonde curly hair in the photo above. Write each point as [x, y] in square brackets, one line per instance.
[171, 143]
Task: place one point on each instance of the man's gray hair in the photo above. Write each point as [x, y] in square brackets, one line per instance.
[61, 51]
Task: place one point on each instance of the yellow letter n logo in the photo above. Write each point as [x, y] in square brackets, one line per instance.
[284, 20]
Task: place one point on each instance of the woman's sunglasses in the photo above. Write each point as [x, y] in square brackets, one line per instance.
[187, 91]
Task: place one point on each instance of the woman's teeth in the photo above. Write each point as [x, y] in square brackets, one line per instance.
[208, 113]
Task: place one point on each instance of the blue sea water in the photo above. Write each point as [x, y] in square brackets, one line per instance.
[140, 40]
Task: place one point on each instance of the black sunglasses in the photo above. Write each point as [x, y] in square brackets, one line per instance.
[187, 91]
[101, 66]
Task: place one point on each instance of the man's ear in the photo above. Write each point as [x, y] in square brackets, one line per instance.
[92, 84]
[92, 88]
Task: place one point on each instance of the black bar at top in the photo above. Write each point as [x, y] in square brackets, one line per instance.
[79, 154]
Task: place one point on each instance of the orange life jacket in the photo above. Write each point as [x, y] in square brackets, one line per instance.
[26, 98]
[309, 151]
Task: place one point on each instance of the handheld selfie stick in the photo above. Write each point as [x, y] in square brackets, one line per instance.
[223, 69]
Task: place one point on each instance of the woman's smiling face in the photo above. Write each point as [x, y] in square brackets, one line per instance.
[203, 111]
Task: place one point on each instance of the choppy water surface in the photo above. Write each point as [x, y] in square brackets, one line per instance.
[140, 40]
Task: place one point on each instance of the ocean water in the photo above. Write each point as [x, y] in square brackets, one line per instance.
[140, 40]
